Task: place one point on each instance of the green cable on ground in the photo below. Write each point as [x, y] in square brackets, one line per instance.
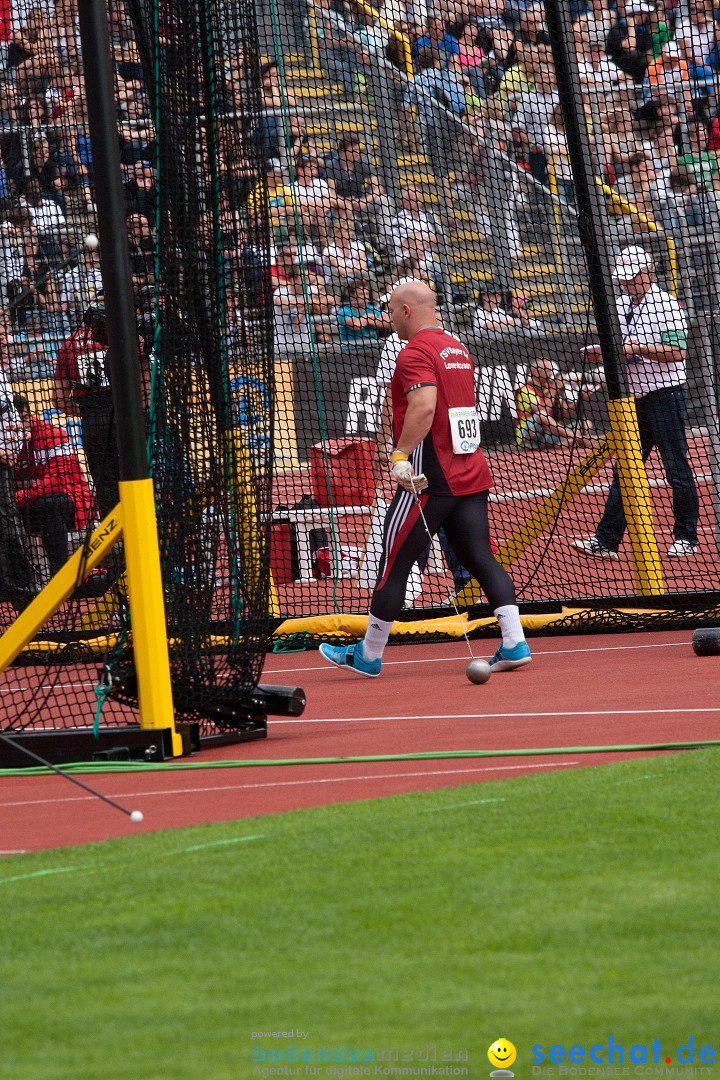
[425, 755]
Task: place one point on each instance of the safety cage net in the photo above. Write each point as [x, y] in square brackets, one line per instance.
[440, 142]
[285, 164]
[187, 82]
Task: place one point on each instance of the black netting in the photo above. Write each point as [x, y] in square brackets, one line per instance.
[188, 101]
[438, 144]
[376, 144]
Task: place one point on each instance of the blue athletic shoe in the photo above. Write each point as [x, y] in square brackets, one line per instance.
[509, 659]
[351, 657]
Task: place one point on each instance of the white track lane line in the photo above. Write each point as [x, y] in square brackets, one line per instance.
[479, 642]
[47, 686]
[296, 783]
[677, 711]
[386, 663]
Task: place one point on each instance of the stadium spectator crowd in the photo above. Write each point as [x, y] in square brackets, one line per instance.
[48, 277]
[483, 83]
[480, 88]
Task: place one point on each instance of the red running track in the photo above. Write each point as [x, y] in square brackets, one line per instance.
[591, 690]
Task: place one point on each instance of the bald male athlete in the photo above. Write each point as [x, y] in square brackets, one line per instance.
[436, 432]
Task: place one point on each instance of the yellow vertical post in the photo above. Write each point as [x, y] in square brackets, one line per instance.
[147, 608]
[136, 489]
[248, 515]
[625, 439]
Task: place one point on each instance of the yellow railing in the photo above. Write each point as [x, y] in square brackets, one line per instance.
[626, 208]
[629, 208]
[377, 18]
[314, 42]
[557, 215]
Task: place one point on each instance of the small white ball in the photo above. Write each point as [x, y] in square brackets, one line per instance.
[91, 241]
[478, 671]
[136, 816]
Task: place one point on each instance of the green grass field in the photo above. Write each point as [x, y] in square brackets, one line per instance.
[557, 908]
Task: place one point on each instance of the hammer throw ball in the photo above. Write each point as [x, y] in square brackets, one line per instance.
[478, 671]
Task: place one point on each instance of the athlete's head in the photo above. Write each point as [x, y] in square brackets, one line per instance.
[412, 306]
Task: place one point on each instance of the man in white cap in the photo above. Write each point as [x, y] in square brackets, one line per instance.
[655, 331]
[438, 466]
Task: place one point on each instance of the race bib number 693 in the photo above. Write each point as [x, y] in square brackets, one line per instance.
[464, 429]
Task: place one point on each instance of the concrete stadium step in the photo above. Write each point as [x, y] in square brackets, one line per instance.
[304, 90]
[539, 309]
[534, 269]
[330, 125]
[414, 161]
[415, 177]
[474, 257]
[463, 236]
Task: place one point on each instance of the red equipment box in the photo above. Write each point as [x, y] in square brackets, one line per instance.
[350, 473]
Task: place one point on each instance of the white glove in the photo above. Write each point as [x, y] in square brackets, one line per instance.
[402, 472]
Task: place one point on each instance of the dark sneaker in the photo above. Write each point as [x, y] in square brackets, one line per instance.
[350, 656]
[509, 659]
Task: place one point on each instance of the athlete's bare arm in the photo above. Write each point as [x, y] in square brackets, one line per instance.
[418, 418]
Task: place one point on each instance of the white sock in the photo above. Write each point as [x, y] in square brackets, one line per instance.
[511, 629]
[375, 640]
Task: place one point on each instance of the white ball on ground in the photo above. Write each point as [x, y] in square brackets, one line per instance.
[136, 816]
[91, 241]
[478, 671]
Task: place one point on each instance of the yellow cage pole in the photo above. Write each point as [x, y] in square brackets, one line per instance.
[557, 215]
[590, 204]
[59, 588]
[246, 508]
[147, 608]
[314, 39]
[625, 439]
[136, 490]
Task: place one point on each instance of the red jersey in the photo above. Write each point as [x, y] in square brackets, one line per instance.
[48, 465]
[82, 362]
[436, 358]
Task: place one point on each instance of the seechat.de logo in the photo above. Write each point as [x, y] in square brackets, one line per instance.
[613, 1053]
[501, 1055]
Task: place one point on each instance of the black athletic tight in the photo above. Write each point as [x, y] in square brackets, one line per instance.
[465, 520]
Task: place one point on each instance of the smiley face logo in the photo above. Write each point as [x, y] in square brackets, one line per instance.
[501, 1055]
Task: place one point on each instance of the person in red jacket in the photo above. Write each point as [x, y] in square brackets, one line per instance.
[52, 491]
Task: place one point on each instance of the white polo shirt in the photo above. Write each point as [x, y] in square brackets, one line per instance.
[657, 320]
[388, 359]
